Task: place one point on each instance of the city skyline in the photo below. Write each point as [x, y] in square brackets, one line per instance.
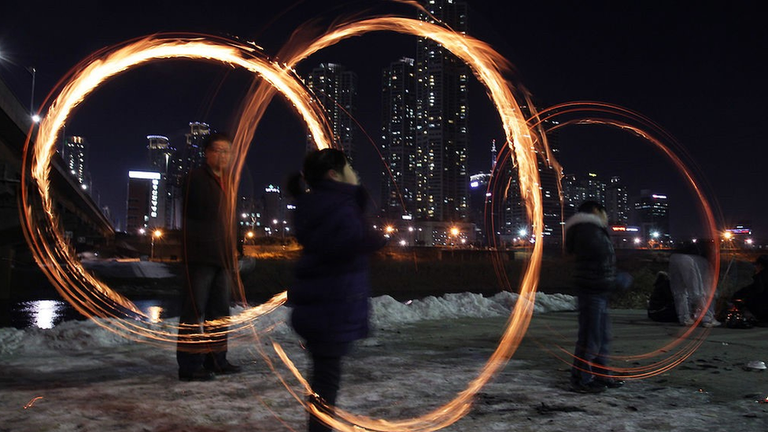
[687, 69]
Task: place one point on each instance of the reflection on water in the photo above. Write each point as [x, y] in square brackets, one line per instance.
[43, 313]
[46, 314]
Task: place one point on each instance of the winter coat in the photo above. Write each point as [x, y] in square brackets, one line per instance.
[331, 289]
[208, 233]
[586, 238]
[689, 275]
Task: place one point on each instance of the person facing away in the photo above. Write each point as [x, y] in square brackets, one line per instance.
[208, 265]
[661, 304]
[587, 240]
[754, 296]
[690, 278]
[330, 295]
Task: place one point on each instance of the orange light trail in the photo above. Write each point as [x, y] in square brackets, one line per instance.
[53, 254]
[586, 113]
[32, 402]
[523, 148]
[488, 66]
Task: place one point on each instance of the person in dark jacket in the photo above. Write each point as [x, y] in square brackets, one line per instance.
[754, 297]
[331, 291]
[587, 240]
[209, 263]
[661, 304]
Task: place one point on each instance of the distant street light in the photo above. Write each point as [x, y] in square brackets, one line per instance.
[155, 234]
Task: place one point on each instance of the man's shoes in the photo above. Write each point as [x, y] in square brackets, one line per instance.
[593, 387]
[226, 368]
[610, 382]
[200, 374]
[710, 324]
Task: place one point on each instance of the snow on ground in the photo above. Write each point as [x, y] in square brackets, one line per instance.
[80, 377]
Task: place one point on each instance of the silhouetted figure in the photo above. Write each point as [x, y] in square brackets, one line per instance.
[331, 292]
[208, 264]
[754, 297]
[586, 238]
[690, 277]
[661, 305]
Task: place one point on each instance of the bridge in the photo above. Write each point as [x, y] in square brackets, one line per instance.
[83, 223]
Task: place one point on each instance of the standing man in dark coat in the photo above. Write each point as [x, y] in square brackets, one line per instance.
[209, 264]
[586, 238]
[331, 292]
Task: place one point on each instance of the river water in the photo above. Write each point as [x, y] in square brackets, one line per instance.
[45, 314]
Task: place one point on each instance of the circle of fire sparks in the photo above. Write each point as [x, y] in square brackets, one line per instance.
[55, 257]
[605, 114]
[488, 67]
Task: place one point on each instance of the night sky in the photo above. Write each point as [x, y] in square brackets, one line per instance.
[697, 70]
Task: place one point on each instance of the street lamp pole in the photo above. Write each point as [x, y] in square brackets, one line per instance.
[33, 114]
[33, 71]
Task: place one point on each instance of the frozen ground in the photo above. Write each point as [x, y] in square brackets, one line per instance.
[79, 377]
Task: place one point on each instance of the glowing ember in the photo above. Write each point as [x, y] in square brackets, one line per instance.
[32, 402]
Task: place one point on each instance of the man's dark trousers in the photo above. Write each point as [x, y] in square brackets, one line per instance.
[206, 299]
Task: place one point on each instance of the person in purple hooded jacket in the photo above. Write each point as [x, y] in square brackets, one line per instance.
[330, 294]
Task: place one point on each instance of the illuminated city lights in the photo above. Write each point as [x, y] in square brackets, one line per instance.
[94, 298]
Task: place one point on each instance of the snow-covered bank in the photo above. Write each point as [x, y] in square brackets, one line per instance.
[387, 313]
[79, 377]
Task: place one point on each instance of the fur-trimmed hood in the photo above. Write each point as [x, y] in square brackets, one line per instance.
[579, 218]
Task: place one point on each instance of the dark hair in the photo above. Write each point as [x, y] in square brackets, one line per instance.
[316, 165]
[590, 207]
[214, 137]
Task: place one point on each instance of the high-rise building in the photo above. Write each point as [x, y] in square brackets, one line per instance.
[274, 217]
[652, 213]
[480, 198]
[336, 89]
[617, 202]
[400, 190]
[442, 118]
[145, 209]
[184, 158]
[75, 155]
[190, 155]
[574, 192]
[594, 188]
[160, 153]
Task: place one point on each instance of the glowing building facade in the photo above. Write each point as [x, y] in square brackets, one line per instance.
[442, 112]
[75, 155]
[336, 89]
[652, 212]
[145, 205]
[400, 186]
[160, 153]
